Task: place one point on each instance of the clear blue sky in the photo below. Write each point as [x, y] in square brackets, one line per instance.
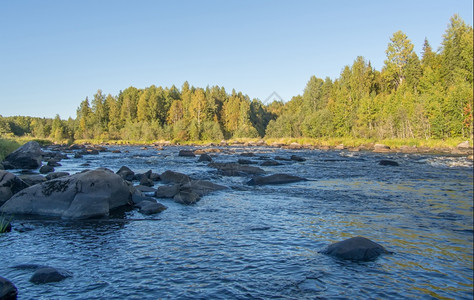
[53, 54]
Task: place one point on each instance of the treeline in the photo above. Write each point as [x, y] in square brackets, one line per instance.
[411, 97]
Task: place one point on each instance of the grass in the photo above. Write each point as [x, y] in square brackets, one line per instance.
[4, 223]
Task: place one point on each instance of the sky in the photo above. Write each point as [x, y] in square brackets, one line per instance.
[54, 54]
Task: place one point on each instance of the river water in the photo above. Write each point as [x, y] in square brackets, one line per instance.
[261, 242]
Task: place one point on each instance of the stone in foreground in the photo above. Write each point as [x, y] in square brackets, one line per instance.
[8, 290]
[84, 195]
[355, 249]
[48, 274]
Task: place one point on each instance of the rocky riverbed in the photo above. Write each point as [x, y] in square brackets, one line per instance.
[239, 221]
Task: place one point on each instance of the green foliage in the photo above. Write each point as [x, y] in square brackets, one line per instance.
[7, 146]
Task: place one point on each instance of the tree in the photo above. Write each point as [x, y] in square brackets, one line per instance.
[398, 53]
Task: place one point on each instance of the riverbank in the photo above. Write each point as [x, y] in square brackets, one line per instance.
[456, 146]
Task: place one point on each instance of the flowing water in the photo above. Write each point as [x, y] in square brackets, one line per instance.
[260, 242]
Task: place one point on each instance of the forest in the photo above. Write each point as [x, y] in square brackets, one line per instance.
[426, 96]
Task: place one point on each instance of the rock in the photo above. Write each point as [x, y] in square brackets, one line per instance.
[282, 158]
[186, 153]
[165, 191]
[202, 187]
[340, 147]
[355, 249]
[146, 181]
[386, 162]
[53, 163]
[275, 179]
[205, 157]
[126, 173]
[2, 167]
[32, 179]
[46, 169]
[174, 177]
[8, 290]
[381, 148]
[247, 154]
[48, 274]
[79, 196]
[9, 186]
[78, 155]
[145, 189]
[28, 156]
[297, 158]
[235, 169]
[464, 146]
[55, 175]
[245, 162]
[155, 177]
[185, 197]
[151, 207]
[116, 151]
[270, 163]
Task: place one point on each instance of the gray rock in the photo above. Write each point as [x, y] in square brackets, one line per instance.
[32, 179]
[275, 179]
[235, 169]
[186, 153]
[185, 197]
[126, 173]
[202, 187]
[386, 162]
[83, 195]
[55, 175]
[28, 156]
[151, 207]
[46, 169]
[355, 249]
[297, 158]
[270, 163]
[48, 274]
[9, 185]
[205, 158]
[464, 146]
[145, 189]
[174, 177]
[8, 290]
[165, 191]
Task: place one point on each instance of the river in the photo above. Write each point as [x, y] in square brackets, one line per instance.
[261, 242]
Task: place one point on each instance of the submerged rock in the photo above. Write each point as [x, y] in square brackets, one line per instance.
[202, 187]
[166, 191]
[297, 158]
[49, 274]
[270, 163]
[355, 249]
[186, 197]
[84, 195]
[151, 207]
[28, 156]
[275, 179]
[386, 162]
[8, 290]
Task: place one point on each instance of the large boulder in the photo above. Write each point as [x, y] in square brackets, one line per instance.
[28, 156]
[275, 179]
[186, 153]
[167, 191]
[355, 249]
[9, 185]
[8, 290]
[84, 195]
